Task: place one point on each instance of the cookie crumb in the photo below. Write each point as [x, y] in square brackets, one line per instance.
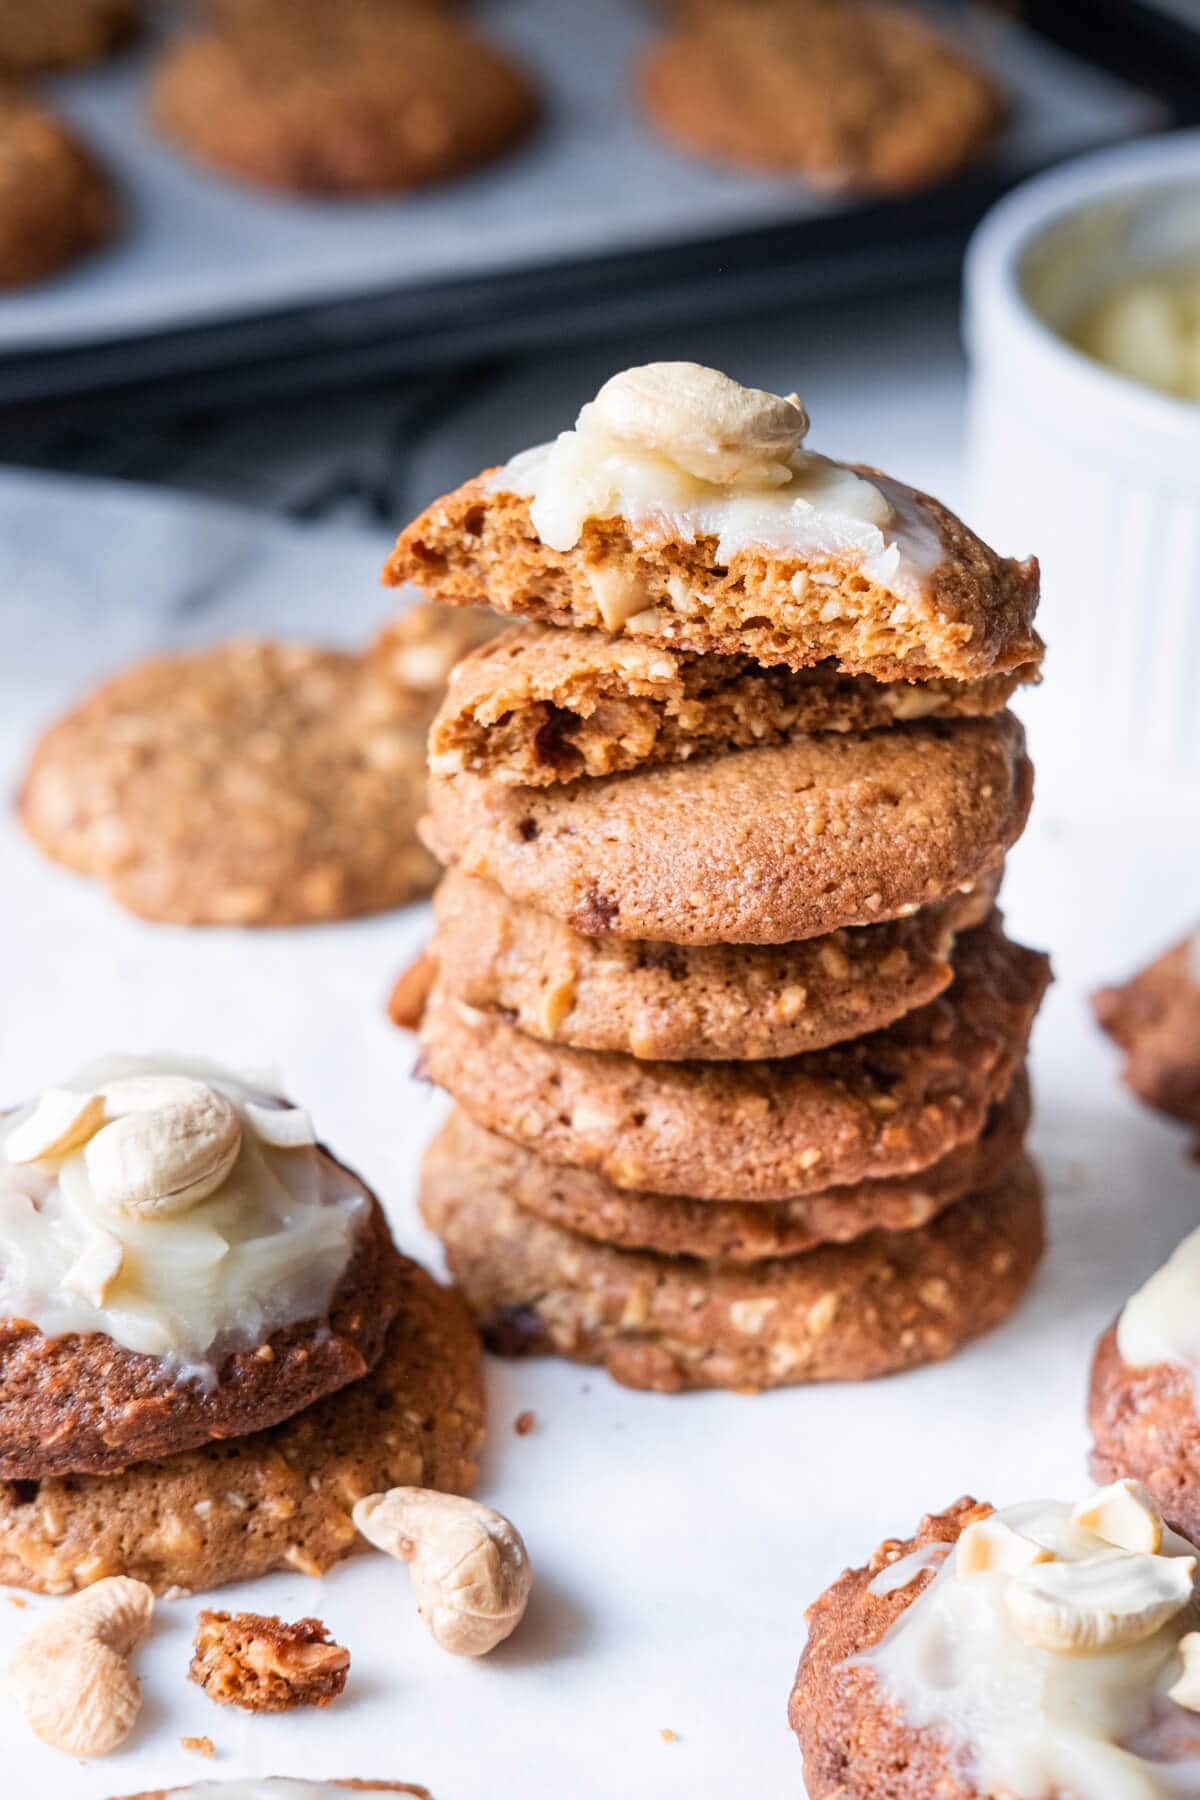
[263, 1664]
[203, 1746]
[524, 1423]
[668, 1736]
[16, 1600]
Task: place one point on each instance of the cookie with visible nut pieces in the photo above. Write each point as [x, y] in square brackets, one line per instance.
[56, 201]
[1155, 1019]
[1144, 1422]
[265, 1664]
[256, 783]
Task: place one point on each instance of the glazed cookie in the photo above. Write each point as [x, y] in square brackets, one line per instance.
[251, 784]
[701, 1002]
[683, 511]
[1155, 1019]
[341, 101]
[885, 1105]
[1143, 1405]
[56, 202]
[1044, 1649]
[181, 1263]
[843, 1312]
[725, 1231]
[541, 705]
[278, 1787]
[845, 95]
[40, 35]
[279, 1499]
[757, 847]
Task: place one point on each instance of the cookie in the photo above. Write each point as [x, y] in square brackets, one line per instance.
[683, 1001]
[262, 1663]
[41, 35]
[757, 847]
[1144, 1423]
[728, 1231]
[1155, 1019]
[251, 784]
[844, 1312]
[846, 96]
[279, 1787]
[541, 705]
[278, 1499]
[56, 202]
[887, 1104]
[77, 1402]
[418, 649]
[349, 100]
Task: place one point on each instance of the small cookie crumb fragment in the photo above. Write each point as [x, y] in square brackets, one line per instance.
[202, 1746]
[668, 1736]
[524, 1423]
[263, 1664]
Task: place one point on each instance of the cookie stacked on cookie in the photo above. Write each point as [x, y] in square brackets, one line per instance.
[735, 1033]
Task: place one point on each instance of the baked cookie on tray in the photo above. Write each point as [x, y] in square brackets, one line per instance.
[1144, 1405]
[541, 705]
[279, 1498]
[181, 1262]
[56, 201]
[255, 783]
[1155, 1019]
[846, 95]
[278, 1787]
[41, 35]
[1040, 1650]
[685, 511]
[725, 1231]
[686, 1001]
[886, 1104]
[841, 1312]
[341, 100]
[756, 847]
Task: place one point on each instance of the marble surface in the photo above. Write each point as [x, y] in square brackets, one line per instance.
[676, 1540]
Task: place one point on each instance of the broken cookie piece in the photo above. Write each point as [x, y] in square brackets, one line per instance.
[263, 1664]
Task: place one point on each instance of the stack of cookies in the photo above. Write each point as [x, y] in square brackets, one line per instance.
[733, 1029]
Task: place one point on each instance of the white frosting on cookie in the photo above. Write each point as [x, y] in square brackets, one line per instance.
[799, 505]
[1161, 1322]
[1048, 1673]
[192, 1271]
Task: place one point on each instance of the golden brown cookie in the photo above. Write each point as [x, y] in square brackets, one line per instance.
[279, 1499]
[262, 1663]
[251, 784]
[757, 847]
[1144, 1423]
[1155, 1019]
[541, 705]
[843, 94]
[39, 35]
[725, 1231]
[341, 101]
[844, 1312]
[56, 202]
[965, 615]
[418, 649]
[885, 1105]
[282, 1785]
[702, 1003]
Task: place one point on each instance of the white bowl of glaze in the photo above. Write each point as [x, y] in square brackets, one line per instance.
[1096, 475]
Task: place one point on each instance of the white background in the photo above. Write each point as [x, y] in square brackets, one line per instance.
[676, 1540]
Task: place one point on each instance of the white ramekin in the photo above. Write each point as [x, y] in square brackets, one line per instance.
[1095, 474]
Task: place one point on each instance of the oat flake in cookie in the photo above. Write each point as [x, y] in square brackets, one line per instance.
[180, 1262]
[685, 510]
[1040, 1651]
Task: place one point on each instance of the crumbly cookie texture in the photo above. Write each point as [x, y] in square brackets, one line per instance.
[887, 1104]
[1155, 1019]
[262, 1663]
[722, 1231]
[41, 35]
[888, 1301]
[255, 783]
[757, 847]
[678, 1001]
[279, 1499]
[349, 100]
[541, 705]
[419, 648]
[845, 95]
[56, 201]
[1144, 1423]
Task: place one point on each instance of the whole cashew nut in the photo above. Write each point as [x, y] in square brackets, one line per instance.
[470, 1568]
[171, 1143]
[71, 1676]
[704, 421]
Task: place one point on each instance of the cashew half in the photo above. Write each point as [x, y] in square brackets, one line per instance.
[172, 1143]
[1186, 1691]
[60, 1122]
[71, 1676]
[990, 1547]
[470, 1568]
[704, 422]
[282, 1127]
[1125, 1514]
[1079, 1607]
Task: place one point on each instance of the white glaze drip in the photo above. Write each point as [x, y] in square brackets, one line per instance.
[1161, 1322]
